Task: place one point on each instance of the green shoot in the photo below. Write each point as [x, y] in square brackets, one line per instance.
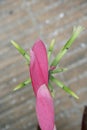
[23, 84]
[58, 70]
[50, 49]
[65, 88]
[63, 51]
[51, 89]
[21, 50]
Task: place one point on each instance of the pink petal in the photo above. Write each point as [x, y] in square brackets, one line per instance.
[38, 66]
[54, 128]
[41, 55]
[35, 73]
[45, 109]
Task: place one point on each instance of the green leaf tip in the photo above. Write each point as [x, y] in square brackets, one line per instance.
[78, 29]
[50, 49]
[23, 84]
[70, 92]
[21, 51]
[75, 34]
[52, 45]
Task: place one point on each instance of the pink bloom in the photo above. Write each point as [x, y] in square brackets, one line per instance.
[38, 65]
[44, 108]
[39, 78]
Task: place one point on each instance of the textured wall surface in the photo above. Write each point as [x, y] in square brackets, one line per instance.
[25, 21]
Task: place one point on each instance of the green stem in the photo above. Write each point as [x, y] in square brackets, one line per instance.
[21, 50]
[51, 89]
[62, 52]
[58, 70]
[50, 50]
[23, 84]
[65, 88]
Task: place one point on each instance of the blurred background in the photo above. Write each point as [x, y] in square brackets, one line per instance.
[25, 21]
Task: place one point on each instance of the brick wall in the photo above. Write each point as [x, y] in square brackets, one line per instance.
[25, 21]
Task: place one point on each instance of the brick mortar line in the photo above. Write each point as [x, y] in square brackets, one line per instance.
[33, 18]
[15, 107]
[47, 10]
[16, 57]
[70, 111]
[82, 90]
[73, 80]
[50, 35]
[10, 93]
[17, 74]
[67, 26]
[79, 49]
[52, 21]
[22, 118]
[31, 30]
[80, 62]
[52, 6]
[17, 23]
[13, 76]
[11, 106]
[5, 2]
[7, 14]
[61, 29]
[32, 2]
[81, 104]
[74, 123]
[55, 18]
